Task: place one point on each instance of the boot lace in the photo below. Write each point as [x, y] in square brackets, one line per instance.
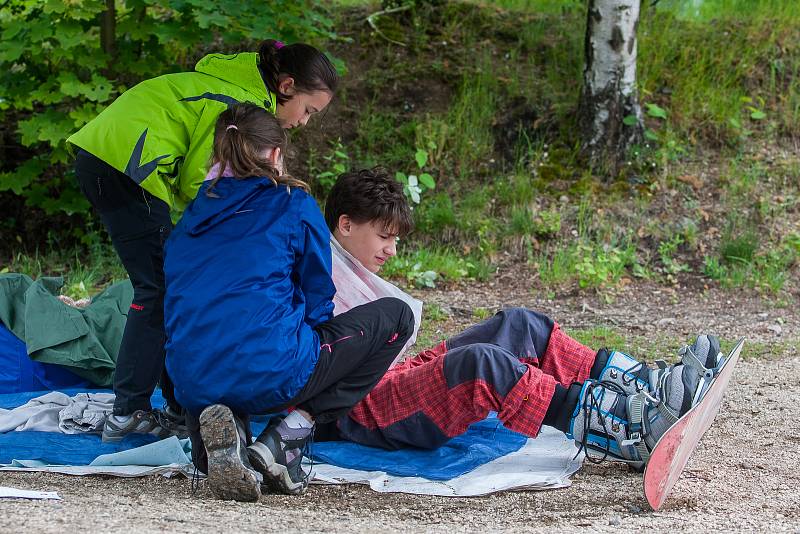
[195, 481]
[308, 452]
[590, 403]
[629, 376]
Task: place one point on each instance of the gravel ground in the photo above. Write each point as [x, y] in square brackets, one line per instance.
[742, 477]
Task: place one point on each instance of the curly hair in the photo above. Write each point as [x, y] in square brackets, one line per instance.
[369, 195]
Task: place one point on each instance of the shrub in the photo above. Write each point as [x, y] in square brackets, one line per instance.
[59, 68]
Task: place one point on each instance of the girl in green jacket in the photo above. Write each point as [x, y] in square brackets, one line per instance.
[147, 154]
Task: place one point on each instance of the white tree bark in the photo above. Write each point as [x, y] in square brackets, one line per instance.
[609, 92]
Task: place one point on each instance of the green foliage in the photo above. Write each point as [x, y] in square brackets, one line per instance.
[425, 266]
[655, 111]
[384, 137]
[592, 265]
[436, 214]
[666, 251]
[599, 266]
[726, 68]
[86, 270]
[488, 93]
[599, 336]
[466, 133]
[434, 312]
[430, 331]
[739, 248]
[740, 264]
[55, 76]
[333, 164]
[413, 185]
[547, 223]
[481, 313]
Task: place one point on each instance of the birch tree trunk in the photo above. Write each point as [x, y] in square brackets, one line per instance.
[609, 84]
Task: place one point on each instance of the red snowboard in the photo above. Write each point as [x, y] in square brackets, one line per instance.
[672, 451]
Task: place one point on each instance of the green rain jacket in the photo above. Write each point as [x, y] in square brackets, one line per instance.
[161, 132]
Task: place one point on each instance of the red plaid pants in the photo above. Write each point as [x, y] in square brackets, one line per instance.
[428, 399]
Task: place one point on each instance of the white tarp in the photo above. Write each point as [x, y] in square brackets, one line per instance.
[543, 463]
[546, 462]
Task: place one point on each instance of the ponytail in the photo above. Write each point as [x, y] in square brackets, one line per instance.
[242, 136]
[310, 69]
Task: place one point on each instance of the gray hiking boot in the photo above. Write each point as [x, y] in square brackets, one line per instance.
[117, 427]
[230, 475]
[278, 454]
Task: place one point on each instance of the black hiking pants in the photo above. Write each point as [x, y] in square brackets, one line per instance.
[356, 349]
[139, 224]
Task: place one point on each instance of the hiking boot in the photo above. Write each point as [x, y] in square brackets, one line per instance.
[117, 427]
[278, 454]
[174, 421]
[230, 475]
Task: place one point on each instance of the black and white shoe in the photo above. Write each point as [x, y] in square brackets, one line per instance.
[278, 454]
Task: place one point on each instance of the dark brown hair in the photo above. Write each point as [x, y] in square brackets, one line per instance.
[310, 69]
[242, 136]
[369, 195]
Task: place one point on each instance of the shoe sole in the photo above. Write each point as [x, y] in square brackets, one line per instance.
[228, 477]
[276, 476]
[111, 439]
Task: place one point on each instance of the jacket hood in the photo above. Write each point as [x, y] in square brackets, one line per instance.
[230, 197]
[241, 70]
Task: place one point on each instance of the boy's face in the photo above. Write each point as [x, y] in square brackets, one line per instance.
[369, 242]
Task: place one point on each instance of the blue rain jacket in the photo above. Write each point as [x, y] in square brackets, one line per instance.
[248, 277]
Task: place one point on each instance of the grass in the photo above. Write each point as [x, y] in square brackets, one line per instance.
[724, 79]
[504, 78]
[472, 113]
[726, 76]
[663, 346]
[84, 275]
[445, 263]
[649, 348]
[436, 326]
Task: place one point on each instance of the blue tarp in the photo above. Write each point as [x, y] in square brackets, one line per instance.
[57, 448]
[19, 373]
[483, 442]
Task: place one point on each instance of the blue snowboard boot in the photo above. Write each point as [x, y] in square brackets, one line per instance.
[623, 414]
[700, 358]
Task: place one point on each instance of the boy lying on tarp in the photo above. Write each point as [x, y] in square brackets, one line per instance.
[518, 363]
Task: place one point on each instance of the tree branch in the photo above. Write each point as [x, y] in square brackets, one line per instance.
[371, 21]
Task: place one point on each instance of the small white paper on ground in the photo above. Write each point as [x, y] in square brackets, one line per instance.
[14, 493]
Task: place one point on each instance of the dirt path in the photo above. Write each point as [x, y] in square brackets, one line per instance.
[744, 476]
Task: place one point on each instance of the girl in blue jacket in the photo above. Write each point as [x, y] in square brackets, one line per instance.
[249, 315]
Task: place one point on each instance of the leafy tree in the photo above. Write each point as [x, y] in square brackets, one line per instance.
[64, 61]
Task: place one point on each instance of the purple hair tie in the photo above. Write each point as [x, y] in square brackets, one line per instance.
[279, 45]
